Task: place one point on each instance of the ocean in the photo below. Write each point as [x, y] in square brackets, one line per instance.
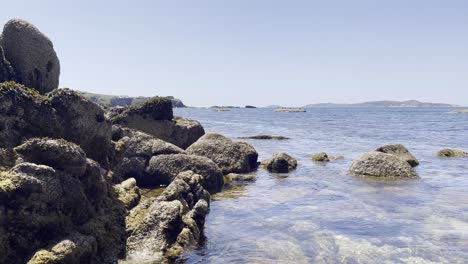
[318, 213]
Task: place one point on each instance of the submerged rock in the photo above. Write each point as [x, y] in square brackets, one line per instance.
[155, 117]
[266, 137]
[163, 169]
[401, 152]
[160, 228]
[31, 54]
[239, 177]
[280, 163]
[65, 194]
[321, 157]
[452, 153]
[230, 156]
[379, 164]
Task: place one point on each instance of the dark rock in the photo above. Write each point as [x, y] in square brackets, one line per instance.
[163, 169]
[6, 71]
[133, 151]
[41, 205]
[280, 163]
[74, 250]
[250, 106]
[230, 156]
[321, 157]
[155, 117]
[32, 56]
[452, 153]
[401, 152]
[7, 158]
[265, 137]
[83, 123]
[379, 164]
[160, 228]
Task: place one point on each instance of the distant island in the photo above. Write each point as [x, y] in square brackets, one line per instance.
[410, 103]
[123, 101]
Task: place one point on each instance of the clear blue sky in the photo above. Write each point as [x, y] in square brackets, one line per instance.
[259, 52]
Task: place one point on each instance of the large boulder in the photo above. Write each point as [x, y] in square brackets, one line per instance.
[163, 169]
[379, 164]
[83, 123]
[401, 152]
[6, 71]
[133, 151]
[452, 153]
[54, 198]
[230, 156]
[24, 114]
[280, 163]
[32, 55]
[160, 228]
[155, 117]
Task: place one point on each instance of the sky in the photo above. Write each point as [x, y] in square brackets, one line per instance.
[258, 52]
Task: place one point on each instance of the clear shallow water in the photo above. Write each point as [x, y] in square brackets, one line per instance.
[317, 213]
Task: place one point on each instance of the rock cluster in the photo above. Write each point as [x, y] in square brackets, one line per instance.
[161, 227]
[58, 207]
[155, 117]
[28, 57]
[280, 163]
[229, 155]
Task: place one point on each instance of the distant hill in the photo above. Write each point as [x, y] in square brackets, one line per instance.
[410, 103]
[115, 101]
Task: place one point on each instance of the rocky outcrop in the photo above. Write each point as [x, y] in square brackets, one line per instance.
[452, 153]
[321, 157]
[163, 169]
[230, 156]
[160, 228]
[401, 152]
[31, 55]
[6, 71]
[64, 114]
[83, 123]
[280, 163]
[128, 193]
[155, 117]
[133, 151]
[61, 207]
[379, 164]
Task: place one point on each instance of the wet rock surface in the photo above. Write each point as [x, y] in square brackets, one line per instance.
[401, 152]
[321, 157]
[229, 155]
[452, 153]
[379, 164]
[280, 163]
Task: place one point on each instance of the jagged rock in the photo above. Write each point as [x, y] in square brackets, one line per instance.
[452, 153]
[133, 151]
[56, 153]
[163, 169]
[155, 117]
[6, 71]
[401, 152]
[24, 114]
[128, 193]
[75, 250]
[280, 163]
[32, 55]
[161, 227]
[321, 157]
[83, 123]
[230, 156]
[42, 204]
[7, 158]
[379, 164]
